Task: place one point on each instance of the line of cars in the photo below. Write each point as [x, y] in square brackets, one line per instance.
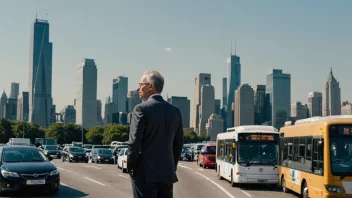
[202, 153]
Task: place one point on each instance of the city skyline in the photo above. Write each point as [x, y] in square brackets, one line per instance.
[172, 63]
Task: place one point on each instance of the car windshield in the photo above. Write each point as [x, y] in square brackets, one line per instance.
[104, 152]
[87, 146]
[186, 149]
[51, 148]
[199, 147]
[211, 150]
[23, 155]
[257, 153]
[76, 149]
[341, 155]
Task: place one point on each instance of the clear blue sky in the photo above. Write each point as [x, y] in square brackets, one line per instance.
[130, 37]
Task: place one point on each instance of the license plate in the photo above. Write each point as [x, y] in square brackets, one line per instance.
[262, 180]
[53, 155]
[106, 160]
[79, 156]
[35, 182]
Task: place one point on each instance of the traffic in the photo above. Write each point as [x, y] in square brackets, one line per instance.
[310, 158]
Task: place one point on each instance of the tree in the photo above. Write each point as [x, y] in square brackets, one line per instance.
[5, 130]
[190, 137]
[115, 132]
[202, 138]
[57, 131]
[95, 135]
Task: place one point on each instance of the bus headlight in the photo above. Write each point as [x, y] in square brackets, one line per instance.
[334, 189]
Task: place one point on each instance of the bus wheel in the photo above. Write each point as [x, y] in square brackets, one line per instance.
[233, 184]
[283, 185]
[305, 190]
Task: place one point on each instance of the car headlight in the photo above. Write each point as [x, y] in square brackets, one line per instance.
[98, 157]
[54, 172]
[45, 152]
[9, 174]
[71, 155]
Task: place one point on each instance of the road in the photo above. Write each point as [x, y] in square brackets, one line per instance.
[105, 180]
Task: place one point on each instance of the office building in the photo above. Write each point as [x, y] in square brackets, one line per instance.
[315, 104]
[331, 96]
[244, 105]
[86, 98]
[183, 104]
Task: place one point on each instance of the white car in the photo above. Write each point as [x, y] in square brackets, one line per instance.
[122, 160]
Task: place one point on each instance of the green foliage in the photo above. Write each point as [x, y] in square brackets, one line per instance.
[95, 135]
[115, 132]
[189, 136]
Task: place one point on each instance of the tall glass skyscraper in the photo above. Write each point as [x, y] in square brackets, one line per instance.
[234, 81]
[40, 74]
[278, 88]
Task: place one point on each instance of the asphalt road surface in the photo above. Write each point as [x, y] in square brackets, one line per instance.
[105, 180]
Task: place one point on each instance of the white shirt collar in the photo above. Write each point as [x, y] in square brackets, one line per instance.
[153, 95]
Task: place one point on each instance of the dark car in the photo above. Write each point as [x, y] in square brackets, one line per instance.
[187, 154]
[26, 167]
[102, 156]
[51, 150]
[74, 153]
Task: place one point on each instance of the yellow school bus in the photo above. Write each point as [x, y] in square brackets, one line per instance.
[315, 158]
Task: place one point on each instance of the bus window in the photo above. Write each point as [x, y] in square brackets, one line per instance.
[230, 153]
[318, 163]
[220, 150]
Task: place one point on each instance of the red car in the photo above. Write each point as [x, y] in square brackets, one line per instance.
[206, 156]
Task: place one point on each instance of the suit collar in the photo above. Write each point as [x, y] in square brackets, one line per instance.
[155, 96]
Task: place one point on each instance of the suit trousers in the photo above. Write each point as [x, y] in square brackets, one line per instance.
[143, 189]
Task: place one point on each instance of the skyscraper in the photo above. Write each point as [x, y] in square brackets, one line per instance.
[119, 93]
[315, 104]
[183, 105]
[331, 96]
[200, 80]
[234, 81]
[259, 104]
[40, 74]
[132, 100]
[15, 88]
[3, 102]
[99, 117]
[86, 99]
[23, 107]
[299, 111]
[278, 86]
[244, 105]
[206, 108]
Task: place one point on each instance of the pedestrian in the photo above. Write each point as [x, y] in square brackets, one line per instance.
[155, 141]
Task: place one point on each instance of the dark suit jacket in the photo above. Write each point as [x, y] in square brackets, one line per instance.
[155, 140]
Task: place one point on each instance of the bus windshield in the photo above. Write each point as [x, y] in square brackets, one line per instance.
[341, 150]
[257, 153]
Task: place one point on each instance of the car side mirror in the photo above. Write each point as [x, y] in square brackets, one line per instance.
[50, 158]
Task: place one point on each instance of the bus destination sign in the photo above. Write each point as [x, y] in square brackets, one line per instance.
[258, 137]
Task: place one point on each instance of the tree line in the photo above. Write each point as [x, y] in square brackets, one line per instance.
[67, 133]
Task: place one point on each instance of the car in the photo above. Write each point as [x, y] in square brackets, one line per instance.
[122, 160]
[27, 167]
[51, 150]
[102, 155]
[74, 153]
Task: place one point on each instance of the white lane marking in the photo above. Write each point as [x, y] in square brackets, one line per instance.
[92, 167]
[201, 169]
[94, 181]
[249, 195]
[217, 185]
[185, 167]
[123, 176]
[180, 163]
[61, 168]
[111, 171]
[62, 184]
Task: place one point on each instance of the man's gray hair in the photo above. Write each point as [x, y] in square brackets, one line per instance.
[156, 78]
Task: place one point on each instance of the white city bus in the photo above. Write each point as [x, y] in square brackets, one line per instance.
[248, 154]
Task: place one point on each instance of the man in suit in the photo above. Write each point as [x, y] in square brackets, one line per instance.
[155, 141]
